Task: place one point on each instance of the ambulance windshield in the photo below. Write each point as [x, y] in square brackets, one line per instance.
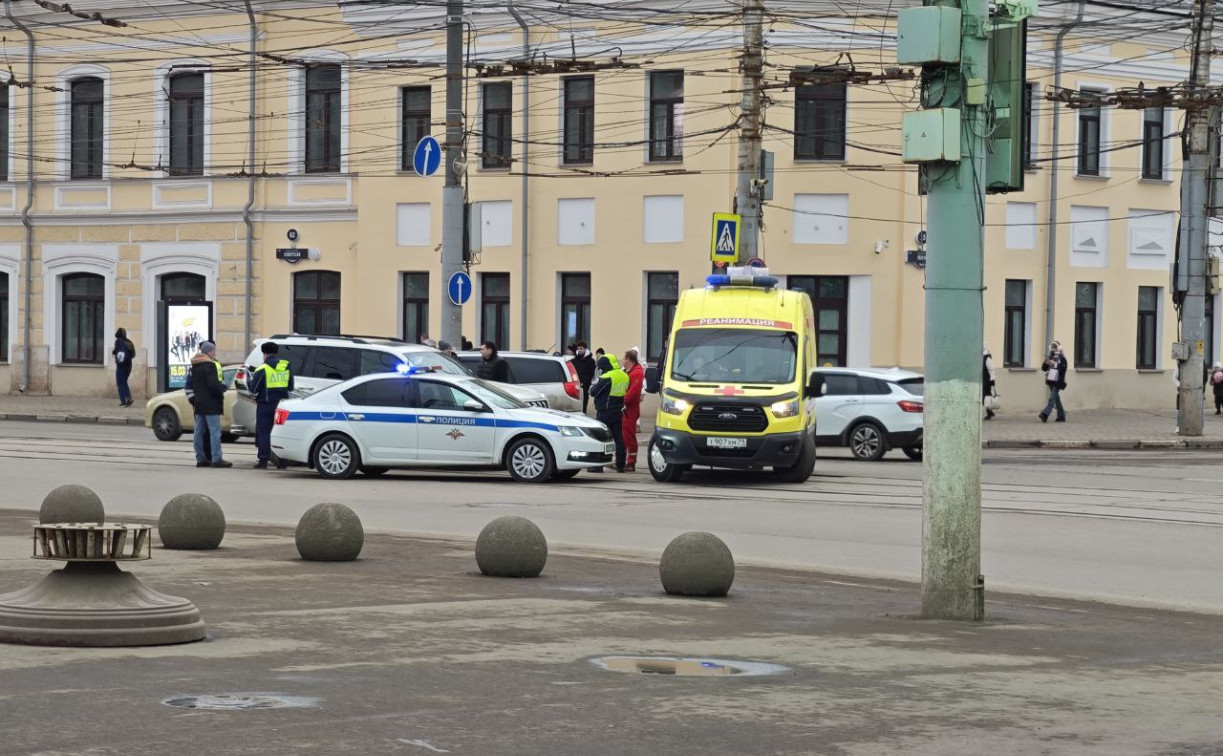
[734, 355]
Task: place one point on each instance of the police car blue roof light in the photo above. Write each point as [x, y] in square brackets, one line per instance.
[404, 368]
[758, 282]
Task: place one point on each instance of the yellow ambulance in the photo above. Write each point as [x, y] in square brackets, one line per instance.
[738, 387]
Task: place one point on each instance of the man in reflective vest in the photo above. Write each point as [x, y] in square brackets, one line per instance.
[608, 394]
[268, 384]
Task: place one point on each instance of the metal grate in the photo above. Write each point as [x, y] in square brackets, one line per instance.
[728, 418]
[84, 542]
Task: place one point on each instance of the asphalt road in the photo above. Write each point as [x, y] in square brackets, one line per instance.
[1139, 528]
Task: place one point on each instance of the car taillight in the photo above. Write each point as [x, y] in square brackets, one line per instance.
[571, 386]
[907, 406]
[282, 415]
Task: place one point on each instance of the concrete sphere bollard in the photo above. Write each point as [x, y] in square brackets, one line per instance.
[697, 564]
[329, 533]
[191, 521]
[511, 547]
[71, 503]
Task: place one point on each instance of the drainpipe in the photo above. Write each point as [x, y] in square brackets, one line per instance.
[29, 194]
[526, 170]
[1054, 163]
[250, 176]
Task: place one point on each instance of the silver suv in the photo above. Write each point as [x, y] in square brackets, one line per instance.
[551, 375]
[321, 361]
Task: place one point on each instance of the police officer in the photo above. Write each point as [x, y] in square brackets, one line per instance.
[608, 395]
[268, 384]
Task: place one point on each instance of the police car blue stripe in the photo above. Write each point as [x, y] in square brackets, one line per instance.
[381, 417]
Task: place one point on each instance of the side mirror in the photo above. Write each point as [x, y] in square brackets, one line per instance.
[815, 386]
[471, 405]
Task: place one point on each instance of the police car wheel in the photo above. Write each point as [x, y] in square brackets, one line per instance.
[166, 426]
[336, 457]
[662, 470]
[530, 461]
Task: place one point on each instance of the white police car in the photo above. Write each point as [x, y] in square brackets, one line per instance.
[429, 419]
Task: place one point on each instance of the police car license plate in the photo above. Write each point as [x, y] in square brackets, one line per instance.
[726, 443]
[609, 448]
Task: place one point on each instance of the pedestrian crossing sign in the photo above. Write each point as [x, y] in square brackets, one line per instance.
[725, 244]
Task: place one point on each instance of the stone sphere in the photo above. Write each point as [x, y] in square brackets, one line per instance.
[511, 547]
[191, 521]
[71, 503]
[697, 564]
[329, 533]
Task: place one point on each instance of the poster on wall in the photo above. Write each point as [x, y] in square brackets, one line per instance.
[183, 327]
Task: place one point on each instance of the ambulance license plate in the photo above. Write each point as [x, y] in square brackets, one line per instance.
[609, 448]
[726, 443]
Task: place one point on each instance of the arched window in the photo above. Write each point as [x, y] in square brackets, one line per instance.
[186, 101]
[87, 128]
[183, 287]
[316, 302]
[83, 299]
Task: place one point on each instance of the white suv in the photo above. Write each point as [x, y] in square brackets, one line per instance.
[870, 411]
[321, 361]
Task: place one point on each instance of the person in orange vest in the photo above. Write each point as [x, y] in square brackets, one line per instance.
[632, 407]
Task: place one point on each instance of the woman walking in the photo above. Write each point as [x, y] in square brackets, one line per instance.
[123, 352]
[989, 379]
[1216, 383]
[1055, 378]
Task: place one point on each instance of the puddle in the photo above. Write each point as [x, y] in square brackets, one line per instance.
[686, 667]
[240, 702]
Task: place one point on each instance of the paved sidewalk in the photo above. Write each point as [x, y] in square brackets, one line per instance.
[71, 409]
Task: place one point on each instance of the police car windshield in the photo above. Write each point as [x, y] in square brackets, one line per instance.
[490, 394]
[437, 362]
[734, 355]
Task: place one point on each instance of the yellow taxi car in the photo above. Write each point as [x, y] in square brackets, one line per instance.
[170, 415]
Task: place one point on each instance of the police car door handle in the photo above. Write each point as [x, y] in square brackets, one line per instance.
[356, 417]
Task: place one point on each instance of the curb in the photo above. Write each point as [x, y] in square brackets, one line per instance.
[74, 419]
[1110, 444]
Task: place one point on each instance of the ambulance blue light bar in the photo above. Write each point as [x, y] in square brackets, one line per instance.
[758, 282]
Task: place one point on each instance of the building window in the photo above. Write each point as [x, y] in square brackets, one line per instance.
[498, 127]
[579, 120]
[1089, 139]
[830, 297]
[1016, 324]
[323, 89]
[1030, 93]
[819, 122]
[415, 305]
[183, 287]
[86, 128]
[1153, 143]
[416, 107]
[1148, 327]
[662, 296]
[4, 137]
[575, 308]
[4, 317]
[316, 302]
[1086, 305]
[84, 310]
[186, 98]
[495, 308]
[667, 116]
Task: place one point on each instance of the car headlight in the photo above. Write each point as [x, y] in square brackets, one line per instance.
[675, 406]
[785, 409]
[570, 430]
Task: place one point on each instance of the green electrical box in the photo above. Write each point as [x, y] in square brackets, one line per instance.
[930, 136]
[1004, 164]
[928, 34]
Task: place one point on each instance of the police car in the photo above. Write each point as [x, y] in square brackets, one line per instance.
[428, 419]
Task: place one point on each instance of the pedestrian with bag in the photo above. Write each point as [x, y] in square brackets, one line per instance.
[608, 393]
[1054, 368]
[632, 408]
[123, 353]
[206, 392]
[269, 383]
[989, 394]
[1216, 383]
[584, 365]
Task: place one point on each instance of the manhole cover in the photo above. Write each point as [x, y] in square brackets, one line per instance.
[686, 667]
[241, 702]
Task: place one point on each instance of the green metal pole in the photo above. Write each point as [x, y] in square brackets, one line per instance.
[951, 486]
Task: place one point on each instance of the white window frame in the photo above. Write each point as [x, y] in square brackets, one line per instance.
[297, 110]
[10, 264]
[1033, 124]
[679, 117]
[161, 111]
[63, 116]
[1105, 132]
[59, 260]
[163, 259]
[5, 77]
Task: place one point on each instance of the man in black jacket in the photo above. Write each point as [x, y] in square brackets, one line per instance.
[206, 392]
[584, 364]
[493, 368]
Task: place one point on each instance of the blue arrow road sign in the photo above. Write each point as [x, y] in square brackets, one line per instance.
[459, 288]
[428, 157]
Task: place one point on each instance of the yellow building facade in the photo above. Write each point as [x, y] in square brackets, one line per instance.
[595, 189]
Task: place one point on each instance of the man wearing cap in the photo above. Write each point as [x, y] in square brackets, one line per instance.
[269, 384]
[206, 391]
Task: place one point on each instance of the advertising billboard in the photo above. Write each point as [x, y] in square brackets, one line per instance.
[184, 326]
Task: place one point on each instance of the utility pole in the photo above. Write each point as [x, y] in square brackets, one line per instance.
[1194, 236]
[751, 117]
[948, 138]
[452, 194]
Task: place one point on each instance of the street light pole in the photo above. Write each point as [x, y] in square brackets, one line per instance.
[452, 193]
[751, 108]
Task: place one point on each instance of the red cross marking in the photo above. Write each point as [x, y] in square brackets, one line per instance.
[730, 391]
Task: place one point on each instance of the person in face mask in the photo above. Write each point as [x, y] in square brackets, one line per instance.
[608, 393]
[1054, 368]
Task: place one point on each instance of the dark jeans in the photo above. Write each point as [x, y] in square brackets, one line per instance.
[265, 418]
[1055, 402]
[614, 420]
[121, 375]
[585, 398]
[207, 438]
